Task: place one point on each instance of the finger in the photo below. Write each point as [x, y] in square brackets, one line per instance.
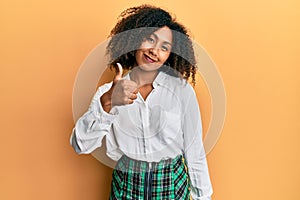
[136, 91]
[130, 83]
[130, 101]
[119, 73]
[130, 86]
[133, 96]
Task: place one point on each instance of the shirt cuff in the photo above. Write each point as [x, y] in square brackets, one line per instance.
[197, 194]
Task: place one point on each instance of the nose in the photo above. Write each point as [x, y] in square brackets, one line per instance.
[153, 50]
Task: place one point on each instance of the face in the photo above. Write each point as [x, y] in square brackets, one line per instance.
[154, 50]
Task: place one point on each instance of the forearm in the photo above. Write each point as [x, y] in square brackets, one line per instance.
[93, 125]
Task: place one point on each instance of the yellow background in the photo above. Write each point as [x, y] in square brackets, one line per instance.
[255, 45]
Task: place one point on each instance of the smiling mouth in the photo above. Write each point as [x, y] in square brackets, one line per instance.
[149, 59]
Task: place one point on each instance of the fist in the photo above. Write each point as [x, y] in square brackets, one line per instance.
[123, 92]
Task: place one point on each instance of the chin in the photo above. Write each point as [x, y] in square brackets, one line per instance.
[149, 67]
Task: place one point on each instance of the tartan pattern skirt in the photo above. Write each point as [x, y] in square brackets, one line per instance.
[167, 179]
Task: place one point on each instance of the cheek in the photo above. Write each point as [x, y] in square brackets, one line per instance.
[145, 45]
[138, 54]
[165, 56]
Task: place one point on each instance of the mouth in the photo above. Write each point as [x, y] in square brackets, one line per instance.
[149, 59]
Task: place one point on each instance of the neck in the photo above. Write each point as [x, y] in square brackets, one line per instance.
[142, 77]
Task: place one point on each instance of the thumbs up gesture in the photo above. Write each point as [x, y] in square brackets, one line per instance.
[122, 92]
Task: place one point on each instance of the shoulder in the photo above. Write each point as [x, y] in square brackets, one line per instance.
[179, 85]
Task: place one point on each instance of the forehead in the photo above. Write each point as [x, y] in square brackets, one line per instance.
[164, 34]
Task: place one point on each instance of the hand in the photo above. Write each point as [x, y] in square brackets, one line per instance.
[122, 92]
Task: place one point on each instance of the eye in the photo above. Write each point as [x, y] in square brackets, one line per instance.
[151, 40]
[165, 48]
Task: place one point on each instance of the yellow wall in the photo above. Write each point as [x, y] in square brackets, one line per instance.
[255, 45]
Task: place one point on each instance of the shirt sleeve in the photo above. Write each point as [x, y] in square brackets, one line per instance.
[93, 125]
[201, 188]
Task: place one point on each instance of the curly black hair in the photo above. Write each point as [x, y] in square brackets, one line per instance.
[136, 23]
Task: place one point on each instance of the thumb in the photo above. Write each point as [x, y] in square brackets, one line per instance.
[119, 73]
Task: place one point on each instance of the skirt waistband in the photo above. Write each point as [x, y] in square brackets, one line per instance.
[132, 165]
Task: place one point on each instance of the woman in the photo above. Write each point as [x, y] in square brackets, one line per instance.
[150, 116]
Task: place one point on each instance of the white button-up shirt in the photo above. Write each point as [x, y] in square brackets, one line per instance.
[166, 124]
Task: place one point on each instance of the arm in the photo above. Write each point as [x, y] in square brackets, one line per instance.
[201, 188]
[93, 125]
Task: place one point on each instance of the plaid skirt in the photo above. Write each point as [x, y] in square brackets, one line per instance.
[167, 179]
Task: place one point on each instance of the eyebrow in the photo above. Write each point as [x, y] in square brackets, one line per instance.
[166, 42]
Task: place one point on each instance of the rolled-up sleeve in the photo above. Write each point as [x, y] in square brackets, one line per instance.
[92, 126]
[201, 187]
